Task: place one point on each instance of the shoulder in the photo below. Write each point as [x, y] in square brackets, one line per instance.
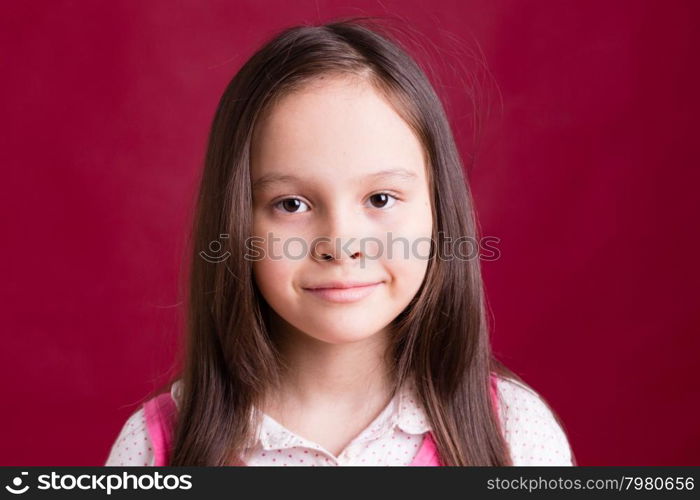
[532, 432]
[133, 444]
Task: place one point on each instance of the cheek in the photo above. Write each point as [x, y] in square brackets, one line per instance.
[410, 237]
[407, 274]
[273, 277]
[408, 251]
[283, 254]
[260, 226]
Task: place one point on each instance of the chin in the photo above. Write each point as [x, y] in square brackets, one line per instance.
[333, 335]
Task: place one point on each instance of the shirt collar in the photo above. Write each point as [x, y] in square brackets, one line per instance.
[411, 416]
[404, 411]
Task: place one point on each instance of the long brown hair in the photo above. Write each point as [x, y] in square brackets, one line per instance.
[441, 339]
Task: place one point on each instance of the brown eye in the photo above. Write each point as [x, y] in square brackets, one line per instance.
[291, 205]
[382, 200]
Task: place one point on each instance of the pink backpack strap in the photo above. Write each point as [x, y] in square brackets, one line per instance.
[160, 413]
[427, 454]
[494, 394]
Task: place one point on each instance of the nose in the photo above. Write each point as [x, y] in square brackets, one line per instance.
[335, 252]
[338, 241]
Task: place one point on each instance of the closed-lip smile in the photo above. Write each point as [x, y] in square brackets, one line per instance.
[343, 291]
[341, 284]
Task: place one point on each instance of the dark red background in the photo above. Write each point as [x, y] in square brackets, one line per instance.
[588, 175]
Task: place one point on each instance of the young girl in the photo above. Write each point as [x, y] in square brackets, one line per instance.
[338, 325]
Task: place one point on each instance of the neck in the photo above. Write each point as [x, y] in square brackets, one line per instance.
[352, 376]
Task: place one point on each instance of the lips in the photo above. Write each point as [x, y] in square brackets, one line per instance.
[341, 284]
[343, 291]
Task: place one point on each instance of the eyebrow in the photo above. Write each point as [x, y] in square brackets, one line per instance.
[272, 178]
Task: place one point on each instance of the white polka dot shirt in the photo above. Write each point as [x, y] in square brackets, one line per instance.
[392, 438]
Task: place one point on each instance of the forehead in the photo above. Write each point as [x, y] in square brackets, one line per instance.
[334, 127]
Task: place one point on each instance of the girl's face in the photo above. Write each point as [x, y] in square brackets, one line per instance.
[340, 197]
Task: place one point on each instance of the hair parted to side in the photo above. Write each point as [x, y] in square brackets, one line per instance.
[441, 339]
